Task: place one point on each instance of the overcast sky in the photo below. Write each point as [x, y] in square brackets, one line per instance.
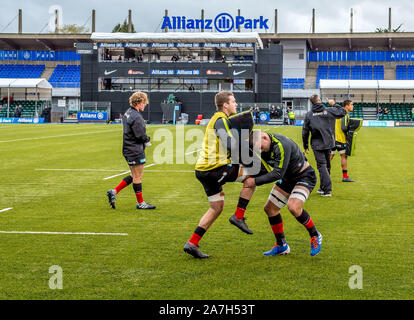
[294, 15]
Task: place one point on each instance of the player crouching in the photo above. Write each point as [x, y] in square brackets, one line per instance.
[295, 181]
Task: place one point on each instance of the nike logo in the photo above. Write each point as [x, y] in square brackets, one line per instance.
[237, 73]
[109, 72]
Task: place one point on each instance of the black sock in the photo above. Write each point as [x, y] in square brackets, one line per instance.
[137, 187]
[242, 203]
[276, 224]
[307, 222]
[128, 179]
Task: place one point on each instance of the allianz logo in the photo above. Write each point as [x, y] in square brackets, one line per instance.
[223, 22]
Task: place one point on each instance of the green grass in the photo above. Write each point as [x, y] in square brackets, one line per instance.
[369, 223]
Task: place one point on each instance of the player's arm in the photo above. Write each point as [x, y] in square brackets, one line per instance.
[345, 123]
[225, 134]
[305, 132]
[337, 111]
[139, 130]
[282, 157]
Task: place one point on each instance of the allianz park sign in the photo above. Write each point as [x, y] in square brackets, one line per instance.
[223, 22]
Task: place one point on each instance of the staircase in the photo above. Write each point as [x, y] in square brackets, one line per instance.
[275, 122]
[369, 113]
[47, 72]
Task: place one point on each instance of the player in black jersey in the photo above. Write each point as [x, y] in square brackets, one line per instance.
[135, 140]
[286, 164]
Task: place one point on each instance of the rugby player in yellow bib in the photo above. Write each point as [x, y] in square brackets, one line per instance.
[214, 168]
[341, 126]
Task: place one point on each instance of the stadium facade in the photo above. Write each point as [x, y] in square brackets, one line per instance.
[271, 67]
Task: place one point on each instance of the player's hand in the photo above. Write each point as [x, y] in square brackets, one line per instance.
[249, 183]
[331, 102]
[307, 150]
[148, 144]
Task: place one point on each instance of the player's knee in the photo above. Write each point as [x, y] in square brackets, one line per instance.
[270, 209]
[295, 207]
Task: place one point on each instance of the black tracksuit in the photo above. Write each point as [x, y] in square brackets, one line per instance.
[320, 122]
[134, 137]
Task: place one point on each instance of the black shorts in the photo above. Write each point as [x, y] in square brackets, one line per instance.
[339, 146]
[135, 160]
[212, 180]
[306, 178]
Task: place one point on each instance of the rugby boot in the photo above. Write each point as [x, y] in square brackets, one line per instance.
[194, 251]
[241, 224]
[316, 244]
[111, 197]
[278, 250]
[144, 206]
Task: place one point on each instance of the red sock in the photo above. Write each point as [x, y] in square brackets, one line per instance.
[345, 174]
[308, 225]
[195, 239]
[277, 228]
[121, 186]
[197, 235]
[140, 199]
[240, 213]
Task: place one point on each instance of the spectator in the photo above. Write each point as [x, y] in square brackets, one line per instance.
[189, 57]
[175, 58]
[18, 111]
[279, 112]
[120, 58]
[191, 88]
[386, 111]
[46, 114]
[223, 58]
[412, 114]
[257, 115]
[273, 112]
[291, 116]
[380, 112]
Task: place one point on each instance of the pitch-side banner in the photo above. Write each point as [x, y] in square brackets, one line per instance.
[92, 116]
[376, 123]
[22, 120]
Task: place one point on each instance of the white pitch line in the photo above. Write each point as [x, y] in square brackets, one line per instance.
[125, 172]
[58, 136]
[169, 171]
[100, 170]
[70, 233]
[191, 152]
[7, 209]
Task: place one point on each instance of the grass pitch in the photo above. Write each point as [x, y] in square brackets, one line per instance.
[369, 223]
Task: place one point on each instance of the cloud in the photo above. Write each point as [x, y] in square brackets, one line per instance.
[294, 15]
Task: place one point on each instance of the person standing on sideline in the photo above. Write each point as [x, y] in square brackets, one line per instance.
[341, 127]
[135, 140]
[320, 123]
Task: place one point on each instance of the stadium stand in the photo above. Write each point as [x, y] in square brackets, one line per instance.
[293, 83]
[365, 72]
[363, 56]
[28, 106]
[403, 72]
[66, 76]
[21, 70]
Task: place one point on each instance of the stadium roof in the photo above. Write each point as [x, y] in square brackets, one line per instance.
[367, 84]
[47, 41]
[25, 83]
[348, 41]
[315, 41]
[180, 36]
